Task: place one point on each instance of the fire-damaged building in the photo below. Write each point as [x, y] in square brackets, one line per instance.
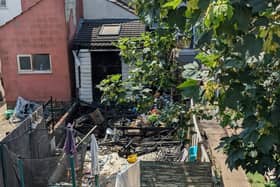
[96, 56]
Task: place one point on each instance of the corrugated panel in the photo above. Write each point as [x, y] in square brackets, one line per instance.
[85, 92]
[85, 71]
[86, 85]
[87, 78]
[125, 69]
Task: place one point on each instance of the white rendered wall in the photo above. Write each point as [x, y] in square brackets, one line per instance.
[103, 9]
[85, 84]
[12, 9]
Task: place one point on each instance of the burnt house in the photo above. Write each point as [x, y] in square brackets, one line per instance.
[96, 55]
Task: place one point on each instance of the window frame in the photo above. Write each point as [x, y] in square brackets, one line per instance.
[1, 6]
[100, 33]
[32, 71]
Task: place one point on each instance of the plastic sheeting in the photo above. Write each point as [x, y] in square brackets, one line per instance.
[129, 177]
[94, 156]
[23, 109]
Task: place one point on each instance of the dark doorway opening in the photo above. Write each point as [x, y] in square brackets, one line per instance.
[103, 64]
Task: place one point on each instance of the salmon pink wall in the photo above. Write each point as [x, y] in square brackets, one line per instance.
[79, 9]
[41, 29]
[25, 4]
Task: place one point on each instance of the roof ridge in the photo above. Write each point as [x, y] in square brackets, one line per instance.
[123, 5]
[111, 19]
[23, 12]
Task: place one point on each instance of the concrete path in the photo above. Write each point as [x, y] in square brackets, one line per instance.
[235, 178]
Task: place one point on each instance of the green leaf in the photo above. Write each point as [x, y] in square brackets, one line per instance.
[173, 18]
[258, 5]
[173, 4]
[232, 63]
[242, 16]
[275, 117]
[188, 83]
[266, 142]
[205, 38]
[116, 77]
[233, 96]
[203, 4]
[192, 5]
[191, 71]
[237, 155]
[250, 44]
[253, 45]
[209, 60]
[191, 91]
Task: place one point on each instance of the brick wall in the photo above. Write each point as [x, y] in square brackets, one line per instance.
[25, 4]
[41, 29]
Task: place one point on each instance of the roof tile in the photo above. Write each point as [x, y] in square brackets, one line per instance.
[88, 36]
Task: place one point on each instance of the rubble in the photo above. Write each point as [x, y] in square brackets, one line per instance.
[121, 135]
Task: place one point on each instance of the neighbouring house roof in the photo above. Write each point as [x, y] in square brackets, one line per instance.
[23, 12]
[89, 34]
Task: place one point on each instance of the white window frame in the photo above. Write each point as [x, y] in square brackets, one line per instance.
[1, 6]
[31, 71]
[18, 62]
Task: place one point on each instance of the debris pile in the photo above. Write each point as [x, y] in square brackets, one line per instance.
[124, 137]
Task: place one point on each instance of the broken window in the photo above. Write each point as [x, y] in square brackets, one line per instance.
[3, 3]
[34, 63]
[113, 29]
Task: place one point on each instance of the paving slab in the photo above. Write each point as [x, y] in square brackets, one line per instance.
[235, 178]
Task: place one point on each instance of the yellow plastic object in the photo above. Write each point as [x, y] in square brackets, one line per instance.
[132, 158]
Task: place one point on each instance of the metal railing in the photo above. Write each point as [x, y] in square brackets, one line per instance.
[197, 138]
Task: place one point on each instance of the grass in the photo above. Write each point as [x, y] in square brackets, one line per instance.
[258, 180]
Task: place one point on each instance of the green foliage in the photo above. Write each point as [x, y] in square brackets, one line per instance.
[162, 13]
[218, 12]
[258, 180]
[173, 113]
[239, 43]
[152, 68]
[115, 91]
[113, 82]
[172, 3]
[150, 57]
